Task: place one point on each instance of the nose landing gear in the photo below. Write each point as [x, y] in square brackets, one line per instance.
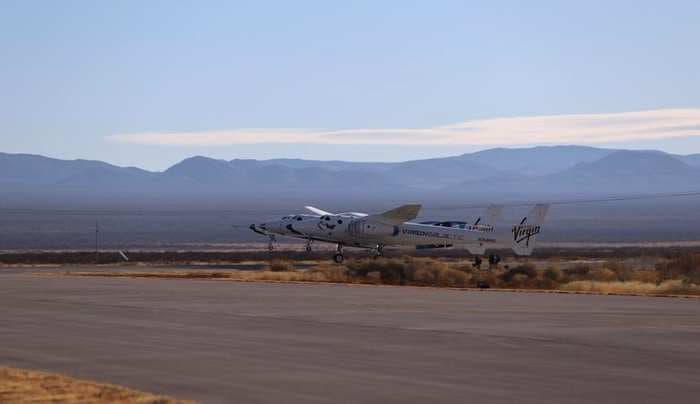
[338, 257]
[308, 245]
[270, 244]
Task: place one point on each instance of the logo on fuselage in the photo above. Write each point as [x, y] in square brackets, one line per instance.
[523, 232]
[325, 226]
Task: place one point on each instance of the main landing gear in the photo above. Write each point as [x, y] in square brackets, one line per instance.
[378, 251]
[338, 257]
[271, 244]
[308, 245]
[493, 261]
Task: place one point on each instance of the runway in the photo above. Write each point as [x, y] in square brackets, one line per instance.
[222, 341]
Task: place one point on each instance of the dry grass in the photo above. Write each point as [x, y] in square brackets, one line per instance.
[670, 276]
[281, 266]
[673, 287]
[321, 273]
[24, 386]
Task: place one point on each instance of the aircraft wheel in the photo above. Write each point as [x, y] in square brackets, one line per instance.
[308, 248]
[494, 259]
[477, 262]
[338, 258]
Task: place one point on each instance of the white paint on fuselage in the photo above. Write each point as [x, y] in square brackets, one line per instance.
[355, 230]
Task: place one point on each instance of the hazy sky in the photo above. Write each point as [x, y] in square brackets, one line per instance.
[148, 83]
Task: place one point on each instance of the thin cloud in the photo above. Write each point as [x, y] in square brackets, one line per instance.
[551, 129]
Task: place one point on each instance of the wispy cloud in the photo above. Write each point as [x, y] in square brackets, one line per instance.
[554, 129]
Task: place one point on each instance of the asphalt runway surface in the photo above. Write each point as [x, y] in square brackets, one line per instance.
[223, 341]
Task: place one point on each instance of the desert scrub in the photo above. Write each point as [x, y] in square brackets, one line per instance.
[672, 287]
[281, 266]
[330, 273]
[29, 386]
[410, 270]
[553, 274]
[639, 275]
[578, 272]
[602, 275]
[520, 276]
[685, 266]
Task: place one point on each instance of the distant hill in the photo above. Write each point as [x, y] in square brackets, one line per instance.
[691, 159]
[39, 170]
[523, 173]
[537, 160]
[617, 173]
[252, 175]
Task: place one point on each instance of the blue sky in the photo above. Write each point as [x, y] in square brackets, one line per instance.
[94, 79]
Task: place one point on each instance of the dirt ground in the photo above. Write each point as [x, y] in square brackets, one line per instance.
[26, 386]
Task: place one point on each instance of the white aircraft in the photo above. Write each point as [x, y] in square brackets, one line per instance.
[394, 227]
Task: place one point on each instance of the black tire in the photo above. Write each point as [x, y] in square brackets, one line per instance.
[338, 258]
[308, 248]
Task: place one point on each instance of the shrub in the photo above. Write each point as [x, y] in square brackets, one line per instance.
[603, 275]
[281, 266]
[686, 266]
[553, 274]
[641, 275]
[428, 271]
[483, 278]
[528, 270]
[610, 287]
[452, 277]
[420, 271]
[466, 268]
[330, 273]
[616, 266]
[679, 287]
[579, 272]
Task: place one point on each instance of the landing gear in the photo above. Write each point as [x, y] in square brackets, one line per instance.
[477, 262]
[271, 244]
[308, 245]
[378, 251]
[338, 257]
[494, 259]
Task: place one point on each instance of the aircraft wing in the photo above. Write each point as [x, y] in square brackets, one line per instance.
[398, 215]
[317, 211]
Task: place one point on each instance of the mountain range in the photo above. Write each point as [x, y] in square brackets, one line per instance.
[519, 172]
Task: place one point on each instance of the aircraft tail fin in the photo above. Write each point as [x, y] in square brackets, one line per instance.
[399, 215]
[490, 216]
[525, 233]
